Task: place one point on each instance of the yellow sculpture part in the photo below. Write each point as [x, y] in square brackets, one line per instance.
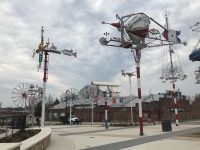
[41, 47]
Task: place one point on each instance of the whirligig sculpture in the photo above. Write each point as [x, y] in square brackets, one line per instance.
[135, 34]
[43, 49]
[172, 69]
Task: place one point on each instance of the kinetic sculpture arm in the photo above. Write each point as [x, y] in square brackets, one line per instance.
[52, 49]
[134, 29]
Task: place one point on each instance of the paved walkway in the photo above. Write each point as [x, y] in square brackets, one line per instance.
[65, 137]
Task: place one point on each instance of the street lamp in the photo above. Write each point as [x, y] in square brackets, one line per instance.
[129, 74]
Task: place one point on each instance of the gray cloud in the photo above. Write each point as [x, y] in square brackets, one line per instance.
[77, 25]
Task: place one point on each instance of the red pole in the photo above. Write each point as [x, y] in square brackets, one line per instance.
[45, 66]
[138, 55]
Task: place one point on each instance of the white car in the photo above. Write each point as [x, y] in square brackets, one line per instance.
[74, 119]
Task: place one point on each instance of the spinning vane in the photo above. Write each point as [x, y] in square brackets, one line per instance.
[195, 54]
[172, 69]
[136, 35]
[44, 49]
[20, 95]
[23, 95]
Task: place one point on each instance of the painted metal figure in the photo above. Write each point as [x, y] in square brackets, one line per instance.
[136, 35]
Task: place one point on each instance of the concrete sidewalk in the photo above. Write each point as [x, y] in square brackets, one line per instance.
[125, 138]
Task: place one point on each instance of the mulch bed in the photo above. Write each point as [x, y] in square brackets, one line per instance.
[20, 136]
[193, 134]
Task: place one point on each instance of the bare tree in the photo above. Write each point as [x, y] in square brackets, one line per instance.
[88, 91]
[49, 102]
[63, 97]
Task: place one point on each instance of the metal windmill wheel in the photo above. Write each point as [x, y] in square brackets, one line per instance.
[73, 94]
[20, 95]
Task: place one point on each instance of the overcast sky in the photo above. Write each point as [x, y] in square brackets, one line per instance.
[76, 24]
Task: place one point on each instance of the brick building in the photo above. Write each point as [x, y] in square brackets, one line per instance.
[162, 108]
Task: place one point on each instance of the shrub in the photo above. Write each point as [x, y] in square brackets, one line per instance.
[24, 137]
[7, 140]
[30, 132]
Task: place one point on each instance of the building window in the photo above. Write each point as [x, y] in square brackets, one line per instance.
[62, 114]
[55, 115]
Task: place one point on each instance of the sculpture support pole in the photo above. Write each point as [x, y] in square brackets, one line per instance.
[131, 100]
[70, 111]
[175, 105]
[138, 55]
[106, 115]
[44, 87]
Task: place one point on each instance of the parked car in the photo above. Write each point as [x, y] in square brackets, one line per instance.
[74, 119]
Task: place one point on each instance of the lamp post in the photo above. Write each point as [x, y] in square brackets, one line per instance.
[129, 74]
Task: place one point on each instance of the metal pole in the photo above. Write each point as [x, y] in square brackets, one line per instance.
[172, 71]
[43, 104]
[70, 110]
[138, 53]
[0, 108]
[153, 109]
[44, 88]
[175, 105]
[131, 100]
[44, 80]
[92, 113]
[106, 109]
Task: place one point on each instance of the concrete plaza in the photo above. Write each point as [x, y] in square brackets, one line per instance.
[96, 137]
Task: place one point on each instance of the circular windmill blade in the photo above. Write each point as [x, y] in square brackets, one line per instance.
[20, 95]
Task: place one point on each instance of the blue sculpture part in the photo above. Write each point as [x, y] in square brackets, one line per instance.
[195, 55]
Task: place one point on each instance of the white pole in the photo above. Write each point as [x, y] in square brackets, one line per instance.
[92, 113]
[43, 104]
[131, 100]
[70, 111]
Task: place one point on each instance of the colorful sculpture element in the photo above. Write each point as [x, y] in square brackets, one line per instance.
[134, 30]
[53, 49]
[195, 54]
[137, 35]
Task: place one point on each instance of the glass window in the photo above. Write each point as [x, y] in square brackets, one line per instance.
[55, 115]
